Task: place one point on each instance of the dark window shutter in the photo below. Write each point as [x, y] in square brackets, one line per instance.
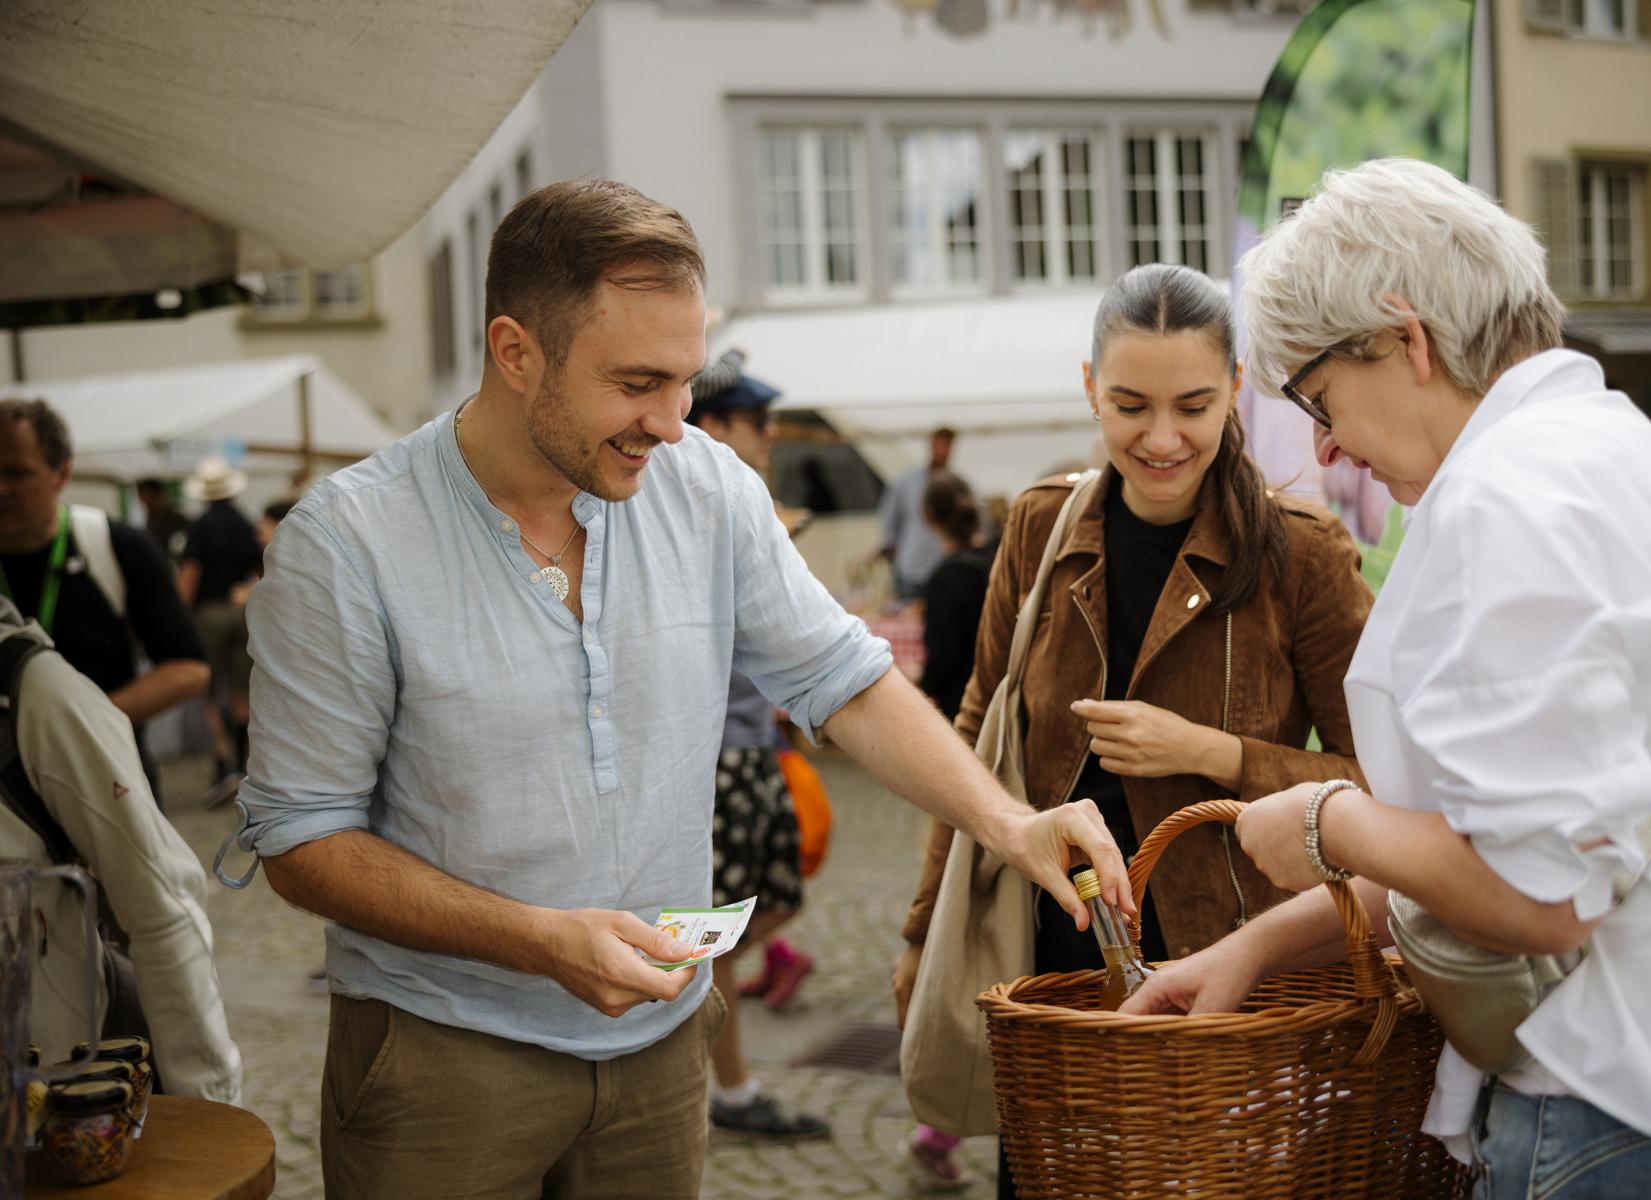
[1553, 191]
[442, 349]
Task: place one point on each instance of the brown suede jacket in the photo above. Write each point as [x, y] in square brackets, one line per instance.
[1291, 643]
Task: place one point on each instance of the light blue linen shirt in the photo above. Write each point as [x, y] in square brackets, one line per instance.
[415, 677]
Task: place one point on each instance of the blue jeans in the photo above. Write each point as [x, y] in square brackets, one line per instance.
[1558, 1148]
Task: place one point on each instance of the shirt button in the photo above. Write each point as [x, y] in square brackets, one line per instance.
[1192, 600]
[596, 710]
[590, 638]
[536, 577]
[507, 526]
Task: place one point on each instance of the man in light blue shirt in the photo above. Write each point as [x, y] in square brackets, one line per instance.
[912, 548]
[491, 672]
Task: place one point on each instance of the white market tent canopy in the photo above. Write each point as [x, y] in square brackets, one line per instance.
[326, 126]
[279, 413]
[1005, 372]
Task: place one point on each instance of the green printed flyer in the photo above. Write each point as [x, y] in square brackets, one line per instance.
[707, 932]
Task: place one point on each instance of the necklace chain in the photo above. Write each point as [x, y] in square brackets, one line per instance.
[555, 559]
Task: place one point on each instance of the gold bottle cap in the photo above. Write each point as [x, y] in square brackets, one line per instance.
[1087, 883]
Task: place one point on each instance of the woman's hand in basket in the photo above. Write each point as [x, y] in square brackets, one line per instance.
[1216, 979]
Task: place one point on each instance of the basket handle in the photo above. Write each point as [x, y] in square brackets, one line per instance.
[1373, 978]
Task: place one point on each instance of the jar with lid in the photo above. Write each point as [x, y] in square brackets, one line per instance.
[134, 1050]
[87, 1136]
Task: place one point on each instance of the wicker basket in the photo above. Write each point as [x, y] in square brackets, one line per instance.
[1315, 1089]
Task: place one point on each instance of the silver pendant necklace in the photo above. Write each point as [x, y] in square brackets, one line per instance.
[553, 574]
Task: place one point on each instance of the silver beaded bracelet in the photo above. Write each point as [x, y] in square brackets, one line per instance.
[1315, 854]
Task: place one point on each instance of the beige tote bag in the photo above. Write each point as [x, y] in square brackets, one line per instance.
[981, 930]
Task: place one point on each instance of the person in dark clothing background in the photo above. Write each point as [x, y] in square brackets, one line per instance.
[168, 526]
[222, 554]
[956, 593]
[102, 589]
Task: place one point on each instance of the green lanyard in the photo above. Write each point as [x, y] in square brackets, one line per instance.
[54, 576]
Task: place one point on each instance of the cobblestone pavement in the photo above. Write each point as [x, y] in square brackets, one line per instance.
[850, 924]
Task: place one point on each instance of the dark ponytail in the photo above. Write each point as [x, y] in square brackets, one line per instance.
[1163, 299]
[948, 502]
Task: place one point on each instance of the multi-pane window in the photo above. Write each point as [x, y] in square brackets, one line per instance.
[934, 203]
[285, 296]
[1053, 214]
[808, 183]
[339, 294]
[1168, 198]
[1610, 230]
[1600, 18]
[300, 294]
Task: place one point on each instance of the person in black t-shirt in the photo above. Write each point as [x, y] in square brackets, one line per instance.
[223, 554]
[168, 526]
[54, 579]
[955, 594]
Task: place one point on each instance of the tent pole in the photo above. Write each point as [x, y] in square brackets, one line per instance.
[306, 445]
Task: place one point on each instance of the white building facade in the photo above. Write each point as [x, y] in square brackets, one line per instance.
[837, 155]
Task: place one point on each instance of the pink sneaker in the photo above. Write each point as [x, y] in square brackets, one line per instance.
[934, 1155]
[793, 967]
[759, 983]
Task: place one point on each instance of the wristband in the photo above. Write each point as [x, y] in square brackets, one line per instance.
[1310, 823]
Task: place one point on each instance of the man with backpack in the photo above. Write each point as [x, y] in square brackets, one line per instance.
[73, 791]
[100, 589]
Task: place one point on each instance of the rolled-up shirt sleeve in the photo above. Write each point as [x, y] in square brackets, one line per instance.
[323, 691]
[1522, 702]
[791, 637]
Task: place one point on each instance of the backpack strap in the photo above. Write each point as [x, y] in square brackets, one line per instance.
[16, 791]
[97, 547]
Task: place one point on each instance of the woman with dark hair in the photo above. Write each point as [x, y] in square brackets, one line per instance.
[1197, 627]
[955, 594]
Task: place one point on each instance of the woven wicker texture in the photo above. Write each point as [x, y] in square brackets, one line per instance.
[1315, 1089]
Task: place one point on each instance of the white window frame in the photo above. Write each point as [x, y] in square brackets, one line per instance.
[1601, 250]
[1588, 19]
[305, 306]
[811, 171]
[1054, 224]
[1167, 177]
[934, 200]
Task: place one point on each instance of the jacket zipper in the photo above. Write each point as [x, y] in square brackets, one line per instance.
[1226, 830]
[1101, 694]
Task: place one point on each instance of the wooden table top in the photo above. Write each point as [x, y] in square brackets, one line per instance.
[190, 1150]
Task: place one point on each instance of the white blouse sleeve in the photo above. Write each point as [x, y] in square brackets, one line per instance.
[1519, 685]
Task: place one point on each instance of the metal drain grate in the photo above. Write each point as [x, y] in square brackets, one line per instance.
[869, 1049]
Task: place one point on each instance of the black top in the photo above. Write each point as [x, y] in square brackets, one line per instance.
[88, 634]
[1139, 558]
[953, 600]
[226, 545]
[170, 529]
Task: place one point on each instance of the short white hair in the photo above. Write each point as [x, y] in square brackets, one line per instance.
[1474, 275]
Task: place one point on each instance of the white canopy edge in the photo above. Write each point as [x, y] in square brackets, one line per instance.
[132, 424]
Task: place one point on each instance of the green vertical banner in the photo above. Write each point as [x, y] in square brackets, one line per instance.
[1359, 79]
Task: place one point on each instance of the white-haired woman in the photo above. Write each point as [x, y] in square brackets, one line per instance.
[1501, 693]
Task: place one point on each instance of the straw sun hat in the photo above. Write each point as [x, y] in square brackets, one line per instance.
[214, 479]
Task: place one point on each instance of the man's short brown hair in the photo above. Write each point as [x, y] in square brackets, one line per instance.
[559, 243]
[50, 431]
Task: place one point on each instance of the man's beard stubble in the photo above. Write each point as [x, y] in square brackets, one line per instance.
[550, 429]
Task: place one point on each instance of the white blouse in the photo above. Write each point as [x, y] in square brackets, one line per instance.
[1504, 679]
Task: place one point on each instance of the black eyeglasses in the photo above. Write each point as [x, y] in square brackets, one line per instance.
[1291, 393]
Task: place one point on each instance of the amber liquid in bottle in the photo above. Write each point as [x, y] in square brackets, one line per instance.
[1126, 974]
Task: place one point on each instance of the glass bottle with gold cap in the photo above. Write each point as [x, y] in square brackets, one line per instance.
[1126, 974]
